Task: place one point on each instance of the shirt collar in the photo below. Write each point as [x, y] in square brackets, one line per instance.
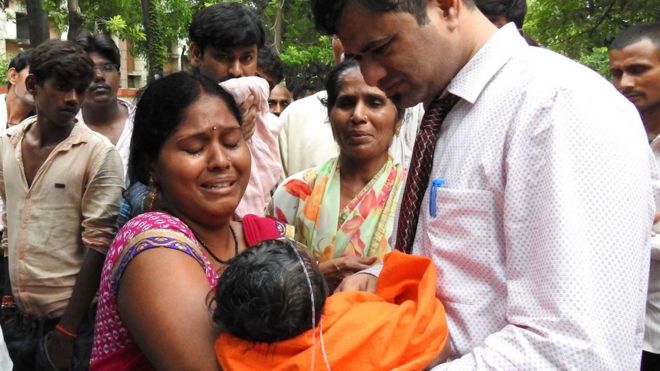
[76, 136]
[472, 79]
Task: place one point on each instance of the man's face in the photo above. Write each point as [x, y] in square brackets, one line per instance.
[272, 80]
[279, 99]
[410, 62]
[104, 86]
[222, 64]
[57, 101]
[17, 79]
[636, 74]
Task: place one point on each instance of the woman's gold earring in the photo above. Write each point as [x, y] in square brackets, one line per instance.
[152, 194]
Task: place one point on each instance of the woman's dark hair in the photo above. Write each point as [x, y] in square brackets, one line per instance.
[102, 44]
[512, 10]
[264, 296]
[160, 109]
[334, 81]
[226, 25]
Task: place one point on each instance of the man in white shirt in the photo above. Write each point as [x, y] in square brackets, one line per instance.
[541, 182]
[18, 102]
[102, 111]
[635, 68]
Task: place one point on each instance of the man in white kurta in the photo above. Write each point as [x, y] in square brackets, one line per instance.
[540, 233]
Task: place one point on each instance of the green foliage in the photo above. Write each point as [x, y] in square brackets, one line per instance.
[307, 56]
[582, 29]
[4, 65]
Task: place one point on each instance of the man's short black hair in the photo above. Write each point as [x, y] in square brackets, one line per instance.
[20, 60]
[328, 12]
[512, 10]
[269, 62]
[224, 26]
[65, 61]
[635, 34]
[102, 44]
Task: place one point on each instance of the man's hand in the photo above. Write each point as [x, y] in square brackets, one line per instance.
[249, 110]
[60, 350]
[359, 282]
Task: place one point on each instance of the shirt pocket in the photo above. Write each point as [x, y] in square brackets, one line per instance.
[464, 240]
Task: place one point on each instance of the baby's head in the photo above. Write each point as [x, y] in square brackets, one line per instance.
[264, 294]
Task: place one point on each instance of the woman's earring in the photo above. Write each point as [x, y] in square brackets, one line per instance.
[397, 130]
[152, 194]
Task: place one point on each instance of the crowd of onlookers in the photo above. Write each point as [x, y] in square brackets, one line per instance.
[455, 197]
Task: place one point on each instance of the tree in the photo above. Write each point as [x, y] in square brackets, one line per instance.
[290, 30]
[38, 22]
[76, 19]
[582, 29]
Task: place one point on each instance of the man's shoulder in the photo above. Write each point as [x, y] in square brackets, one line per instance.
[94, 138]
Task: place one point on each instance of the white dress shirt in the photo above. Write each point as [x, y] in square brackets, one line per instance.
[123, 145]
[541, 233]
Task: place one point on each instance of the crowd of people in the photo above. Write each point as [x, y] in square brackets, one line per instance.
[456, 198]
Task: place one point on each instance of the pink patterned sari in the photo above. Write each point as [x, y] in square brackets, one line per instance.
[114, 348]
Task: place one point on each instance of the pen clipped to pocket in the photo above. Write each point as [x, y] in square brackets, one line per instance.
[435, 185]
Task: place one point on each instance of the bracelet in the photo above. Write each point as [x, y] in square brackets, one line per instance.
[65, 331]
[8, 302]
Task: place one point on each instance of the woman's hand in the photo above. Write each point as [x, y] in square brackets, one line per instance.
[335, 270]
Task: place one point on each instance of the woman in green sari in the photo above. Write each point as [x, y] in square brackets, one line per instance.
[344, 209]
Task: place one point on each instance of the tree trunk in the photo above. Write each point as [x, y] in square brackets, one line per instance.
[150, 24]
[278, 26]
[38, 22]
[76, 19]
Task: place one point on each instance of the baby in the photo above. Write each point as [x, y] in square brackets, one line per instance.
[274, 313]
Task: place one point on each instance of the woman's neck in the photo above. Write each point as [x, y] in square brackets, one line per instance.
[358, 172]
[217, 237]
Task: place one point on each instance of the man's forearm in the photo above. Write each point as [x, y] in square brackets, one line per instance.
[84, 290]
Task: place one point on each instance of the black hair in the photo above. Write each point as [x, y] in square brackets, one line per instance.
[328, 12]
[226, 25]
[335, 79]
[161, 107]
[264, 296]
[100, 43]
[512, 10]
[269, 62]
[20, 60]
[63, 60]
[637, 33]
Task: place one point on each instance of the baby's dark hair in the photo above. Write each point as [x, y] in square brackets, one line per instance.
[264, 295]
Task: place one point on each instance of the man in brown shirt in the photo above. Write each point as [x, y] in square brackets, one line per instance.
[61, 184]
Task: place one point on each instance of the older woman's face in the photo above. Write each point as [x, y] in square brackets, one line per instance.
[363, 119]
[204, 166]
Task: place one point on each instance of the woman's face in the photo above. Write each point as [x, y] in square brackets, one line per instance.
[204, 166]
[363, 119]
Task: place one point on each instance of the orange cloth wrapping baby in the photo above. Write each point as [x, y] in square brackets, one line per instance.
[402, 327]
